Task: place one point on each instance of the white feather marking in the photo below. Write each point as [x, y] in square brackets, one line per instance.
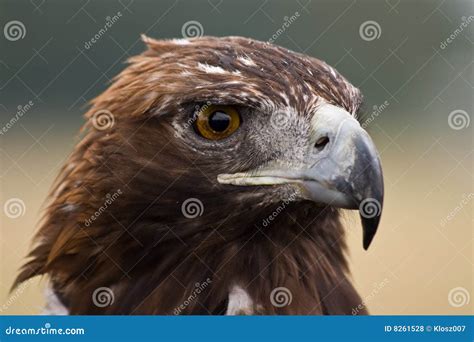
[211, 69]
[285, 97]
[181, 41]
[246, 61]
[53, 304]
[240, 302]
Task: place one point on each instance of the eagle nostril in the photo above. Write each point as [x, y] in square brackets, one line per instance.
[321, 143]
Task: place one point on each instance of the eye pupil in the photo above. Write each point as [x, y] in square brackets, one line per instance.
[219, 121]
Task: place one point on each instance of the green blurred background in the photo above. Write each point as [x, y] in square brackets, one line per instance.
[421, 261]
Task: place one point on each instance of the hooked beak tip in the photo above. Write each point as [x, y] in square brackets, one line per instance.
[370, 211]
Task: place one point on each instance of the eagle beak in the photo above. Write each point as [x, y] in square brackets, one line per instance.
[341, 169]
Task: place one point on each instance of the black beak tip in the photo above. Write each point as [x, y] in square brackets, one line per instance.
[369, 226]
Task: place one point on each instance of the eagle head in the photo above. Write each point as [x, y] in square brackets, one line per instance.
[212, 161]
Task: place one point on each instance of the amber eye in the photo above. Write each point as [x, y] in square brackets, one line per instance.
[217, 122]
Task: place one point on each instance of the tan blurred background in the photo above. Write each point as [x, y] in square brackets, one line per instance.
[421, 261]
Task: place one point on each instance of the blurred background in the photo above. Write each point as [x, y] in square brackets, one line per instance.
[413, 61]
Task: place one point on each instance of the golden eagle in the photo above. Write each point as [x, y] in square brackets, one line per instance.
[209, 180]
